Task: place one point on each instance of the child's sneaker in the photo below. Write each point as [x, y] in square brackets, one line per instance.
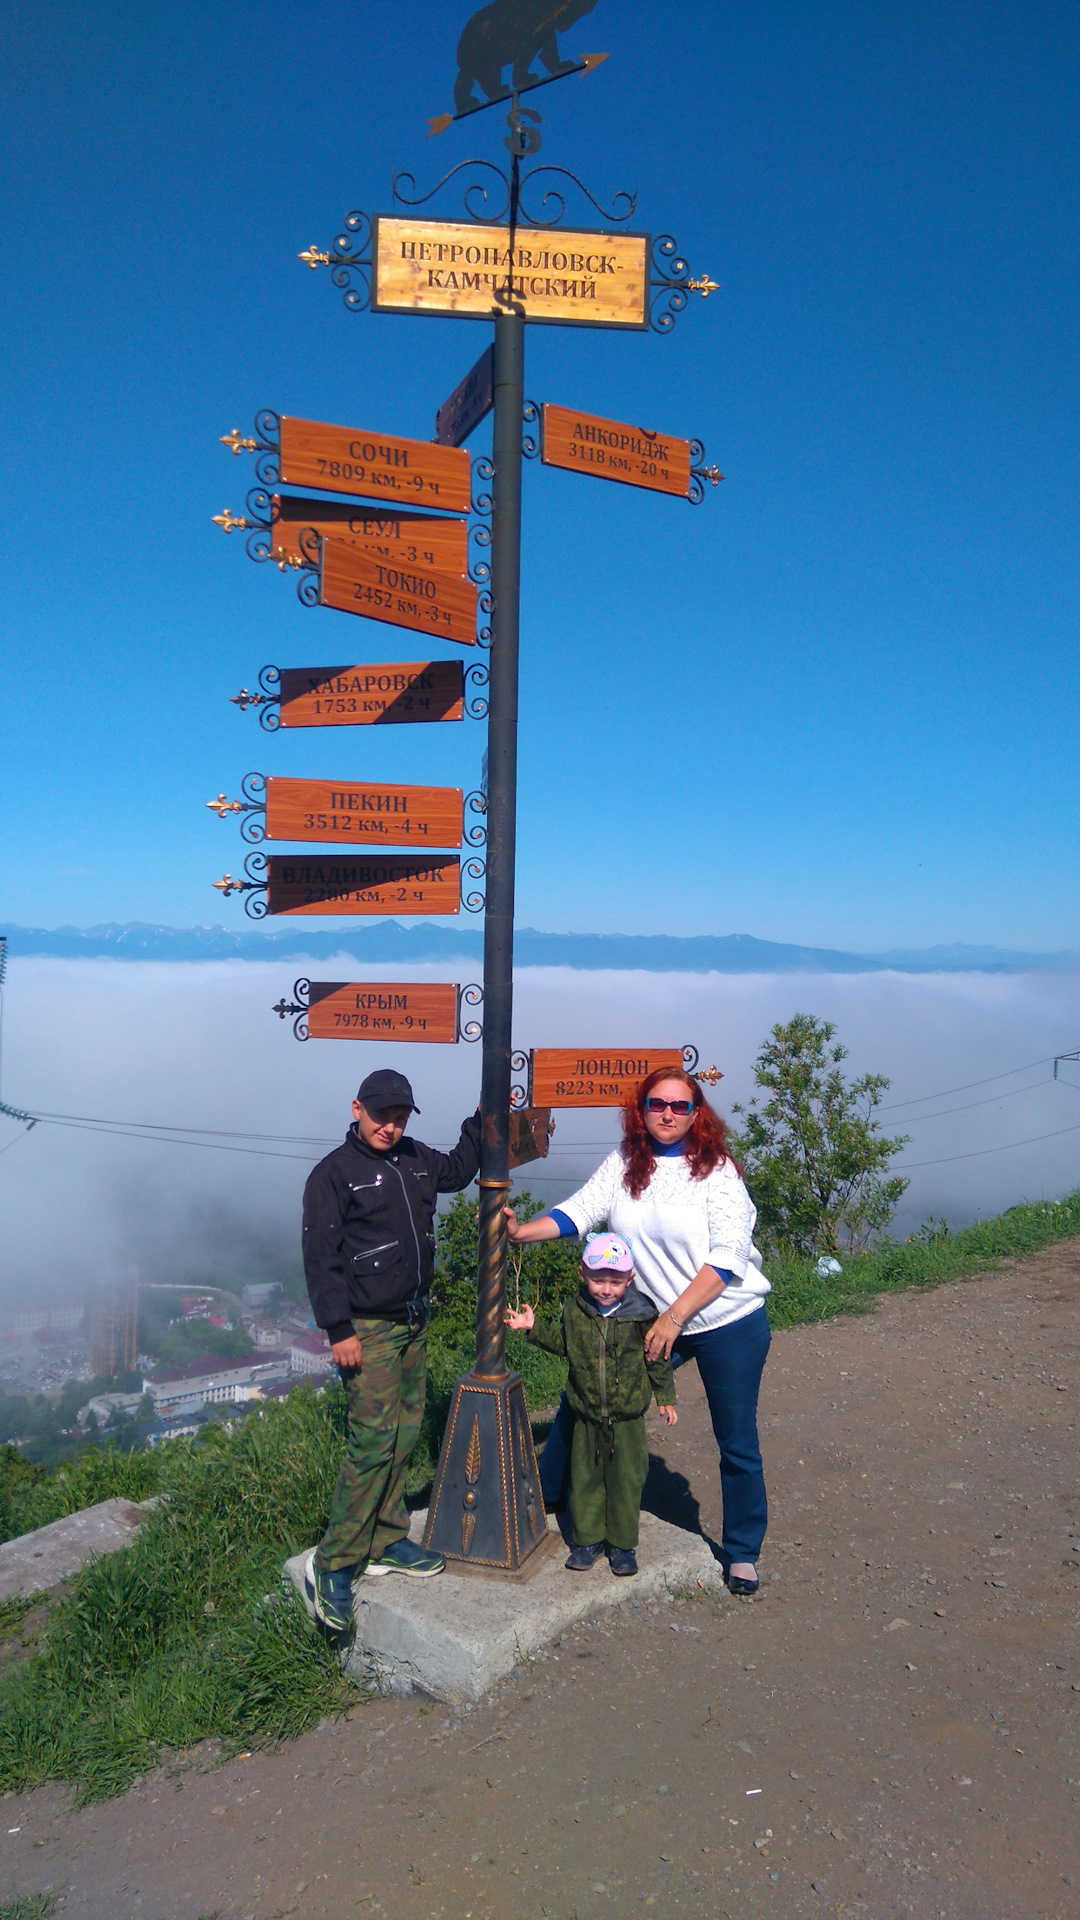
[404, 1556]
[330, 1595]
[622, 1561]
[582, 1558]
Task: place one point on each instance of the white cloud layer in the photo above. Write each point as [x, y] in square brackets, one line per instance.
[197, 1045]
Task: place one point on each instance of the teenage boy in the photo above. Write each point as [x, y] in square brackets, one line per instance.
[369, 1258]
[602, 1337]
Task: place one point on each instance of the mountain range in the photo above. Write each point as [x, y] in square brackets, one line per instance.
[389, 940]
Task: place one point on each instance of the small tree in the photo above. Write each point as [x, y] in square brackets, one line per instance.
[815, 1160]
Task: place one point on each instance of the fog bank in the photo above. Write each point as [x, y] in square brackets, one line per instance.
[196, 1045]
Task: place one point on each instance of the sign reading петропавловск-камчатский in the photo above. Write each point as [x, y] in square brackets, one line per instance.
[455, 267]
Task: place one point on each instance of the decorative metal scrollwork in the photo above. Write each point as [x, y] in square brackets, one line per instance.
[491, 209]
[265, 446]
[472, 872]
[483, 470]
[476, 705]
[520, 1089]
[475, 834]
[298, 1006]
[710, 1075]
[671, 284]
[267, 700]
[699, 473]
[253, 788]
[350, 255]
[470, 996]
[530, 441]
[307, 587]
[254, 885]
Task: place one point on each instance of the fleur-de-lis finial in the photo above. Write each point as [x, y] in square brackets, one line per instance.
[221, 807]
[712, 473]
[709, 1074]
[312, 258]
[704, 286]
[236, 443]
[227, 885]
[244, 700]
[228, 520]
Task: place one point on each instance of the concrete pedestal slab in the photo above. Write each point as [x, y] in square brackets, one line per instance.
[453, 1637]
[33, 1562]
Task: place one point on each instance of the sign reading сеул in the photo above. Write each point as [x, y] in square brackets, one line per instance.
[456, 267]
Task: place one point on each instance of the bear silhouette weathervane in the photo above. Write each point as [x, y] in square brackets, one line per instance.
[512, 33]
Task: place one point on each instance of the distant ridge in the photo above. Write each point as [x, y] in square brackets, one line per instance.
[388, 940]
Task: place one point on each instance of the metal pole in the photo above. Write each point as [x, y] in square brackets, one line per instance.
[509, 392]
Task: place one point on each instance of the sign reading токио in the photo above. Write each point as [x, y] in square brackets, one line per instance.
[382, 1010]
[452, 267]
[586, 443]
[373, 465]
[366, 883]
[384, 693]
[570, 1077]
[407, 537]
[405, 595]
[341, 810]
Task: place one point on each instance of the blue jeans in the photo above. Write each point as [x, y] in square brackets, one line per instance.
[730, 1361]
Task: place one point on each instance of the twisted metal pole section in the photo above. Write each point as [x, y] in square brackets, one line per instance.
[509, 395]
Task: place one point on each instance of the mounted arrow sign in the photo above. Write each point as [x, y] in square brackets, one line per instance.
[470, 402]
[365, 884]
[382, 1010]
[585, 443]
[408, 538]
[373, 465]
[385, 693]
[341, 811]
[434, 603]
[571, 1077]
[456, 267]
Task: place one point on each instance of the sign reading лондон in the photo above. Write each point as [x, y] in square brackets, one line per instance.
[570, 1077]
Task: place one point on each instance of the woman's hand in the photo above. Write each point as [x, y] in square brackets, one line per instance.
[661, 1337]
[347, 1353]
[512, 1228]
[669, 1415]
[521, 1322]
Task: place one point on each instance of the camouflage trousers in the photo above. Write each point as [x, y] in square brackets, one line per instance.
[608, 1467]
[385, 1396]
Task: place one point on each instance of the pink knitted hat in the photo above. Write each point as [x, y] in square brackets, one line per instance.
[605, 1252]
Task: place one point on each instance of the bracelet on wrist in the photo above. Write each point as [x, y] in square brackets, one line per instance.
[676, 1323]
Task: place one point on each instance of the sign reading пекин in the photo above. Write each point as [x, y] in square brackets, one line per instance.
[452, 267]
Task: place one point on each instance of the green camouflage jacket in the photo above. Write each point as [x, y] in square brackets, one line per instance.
[610, 1378]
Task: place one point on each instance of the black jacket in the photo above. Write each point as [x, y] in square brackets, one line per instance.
[369, 1239]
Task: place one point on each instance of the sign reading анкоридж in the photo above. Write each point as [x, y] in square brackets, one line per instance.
[382, 1010]
[386, 692]
[452, 267]
[570, 1077]
[364, 883]
[585, 443]
[357, 811]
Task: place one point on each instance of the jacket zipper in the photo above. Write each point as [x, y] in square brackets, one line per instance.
[415, 1235]
[368, 1252]
[603, 1371]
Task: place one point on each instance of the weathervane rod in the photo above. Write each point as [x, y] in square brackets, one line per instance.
[585, 65]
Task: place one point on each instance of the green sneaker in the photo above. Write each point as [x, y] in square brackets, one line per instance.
[405, 1557]
[330, 1595]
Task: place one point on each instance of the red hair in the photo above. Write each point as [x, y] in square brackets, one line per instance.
[707, 1144]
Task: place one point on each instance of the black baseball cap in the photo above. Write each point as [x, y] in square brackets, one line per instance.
[385, 1088]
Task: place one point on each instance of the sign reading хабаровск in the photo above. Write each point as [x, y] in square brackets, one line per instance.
[379, 692]
[455, 267]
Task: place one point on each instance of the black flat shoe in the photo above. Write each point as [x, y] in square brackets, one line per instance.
[582, 1558]
[736, 1584]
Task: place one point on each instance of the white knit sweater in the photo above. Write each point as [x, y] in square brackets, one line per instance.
[676, 1227]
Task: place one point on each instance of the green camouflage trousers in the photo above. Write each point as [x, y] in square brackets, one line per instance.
[608, 1466]
[385, 1397]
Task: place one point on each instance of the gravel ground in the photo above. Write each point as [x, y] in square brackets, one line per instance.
[890, 1728]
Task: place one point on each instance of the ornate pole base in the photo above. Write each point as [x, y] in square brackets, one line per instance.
[486, 1507]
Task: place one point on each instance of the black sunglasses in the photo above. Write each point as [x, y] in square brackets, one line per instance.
[653, 1105]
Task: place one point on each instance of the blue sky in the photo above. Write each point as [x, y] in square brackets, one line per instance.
[835, 704]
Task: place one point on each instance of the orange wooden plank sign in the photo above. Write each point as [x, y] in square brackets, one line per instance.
[374, 466]
[354, 812]
[374, 695]
[571, 1077]
[441, 605]
[382, 1010]
[585, 443]
[406, 537]
[366, 883]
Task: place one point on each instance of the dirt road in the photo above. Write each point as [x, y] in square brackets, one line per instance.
[891, 1728]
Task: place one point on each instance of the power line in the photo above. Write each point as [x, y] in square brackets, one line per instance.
[918, 1098]
[907, 1166]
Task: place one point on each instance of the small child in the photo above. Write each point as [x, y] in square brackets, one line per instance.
[602, 1336]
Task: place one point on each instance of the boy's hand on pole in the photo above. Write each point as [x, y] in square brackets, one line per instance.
[347, 1353]
[520, 1322]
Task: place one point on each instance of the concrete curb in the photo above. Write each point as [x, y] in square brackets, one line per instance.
[34, 1561]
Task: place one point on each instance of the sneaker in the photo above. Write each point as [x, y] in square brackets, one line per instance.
[330, 1595]
[582, 1558]
[622, 1561]
[404, 1556]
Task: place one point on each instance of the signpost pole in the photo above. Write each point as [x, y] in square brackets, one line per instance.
[509, 388]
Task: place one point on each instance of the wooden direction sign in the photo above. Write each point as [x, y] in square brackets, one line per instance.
[570, 1077]
[373, 465]
[439, 604]
[452, 267]
[584, 443]
[531, 1129]
[365, 883]
[382, 1010]
[379, 695]
[470, 402]
[359, 811]
[404, 537]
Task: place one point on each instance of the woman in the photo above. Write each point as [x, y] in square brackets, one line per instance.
[673, 1190]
